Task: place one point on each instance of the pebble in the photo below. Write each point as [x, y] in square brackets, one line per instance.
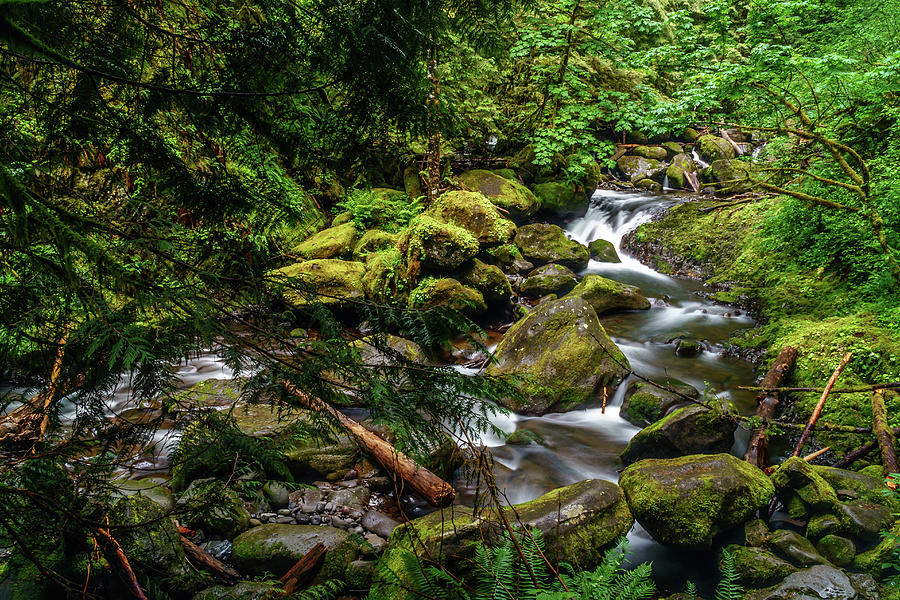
[378, 543]
[329, 507]
[315, 520]
[284, 512]
[357, 530]
[267, 515]
[285, 520]
[341, 523]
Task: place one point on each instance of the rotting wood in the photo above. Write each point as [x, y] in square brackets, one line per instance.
[821, 404]
[202, 559]
[883, 434]
[434, 489]
[305, 569]
[849, 390]
[758, 450]
[854, 455]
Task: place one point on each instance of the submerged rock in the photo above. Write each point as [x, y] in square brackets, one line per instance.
[604, 251]
[509, 195]
[546, 243]
[692, 429]
[605, 294]
[563, 354]
[687, 501]
[549, 279]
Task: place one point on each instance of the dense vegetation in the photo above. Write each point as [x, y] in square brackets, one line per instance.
[162, 165]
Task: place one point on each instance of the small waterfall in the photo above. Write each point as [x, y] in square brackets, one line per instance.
[700, 162]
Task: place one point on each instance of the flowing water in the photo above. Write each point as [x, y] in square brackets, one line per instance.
[586, 443]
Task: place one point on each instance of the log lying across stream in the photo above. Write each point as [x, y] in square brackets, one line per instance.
[758, 450]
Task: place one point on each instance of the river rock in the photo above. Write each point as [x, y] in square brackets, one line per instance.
[549, 279]
[820, 582]
[379, 523]
[356, 498]
[693, 429]
[821, 525]
[386, 278]
[673, 149]
[276, 494]
[330, 458]
[153, 488]
[334, 281]
[730, 176]
[686, 501]
[509, 195]
[870, 489]
[449, 293]
[863, 520]
[207, 504]
[579, 522]
[561, 199]
[757, 567]
[275, 548]
[564, 355]
[796, 477]
[877, 561]
[474, 213]
[711, 148]
[636, 168]
[645, 404]
[334, 242]
[649, 185]
[651, 152]
[546, 243]
[374, 240]
[487, 279]
[796, 548]
[605, 295]
[245, 590]
[437, 245]
[837, 550]
[678, 171]
[604, 251]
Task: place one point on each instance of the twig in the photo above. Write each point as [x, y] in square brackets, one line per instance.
[821, 404]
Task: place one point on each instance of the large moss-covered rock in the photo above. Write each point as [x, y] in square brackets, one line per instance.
[686, 501]
[437, 245]
[758, 567]
[579, 522]
[245, 590]
[796, 477]
[330, 457]
[546, 243]
[877, 561]
[678, 171]
[651, 152]
[374, 240]
[837, 550]
[153, 488]
[334, 242]
[487, 279]
[511, 196]
[711, 148]
[870, 489]
[691, 429]
[605, 294]
[385, 279]
[474, 213]
[335, 281]
[604, 251]
[820, 582]
[275, 548]
[636, 168]
[863, 520]
[549, 279]
[561, 199]
[729, 176]
[209, 505]
[448, 292]
[563, 354]
[645, 404]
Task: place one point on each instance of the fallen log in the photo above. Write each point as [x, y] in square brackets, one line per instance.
[848, 390]
[883, 434]
[116, 557]
[202, 559]
[434, 489]
[758, 450]
[821, 404]
[303, 572]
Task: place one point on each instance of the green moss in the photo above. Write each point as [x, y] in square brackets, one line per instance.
[604, 251]
[334, 280]
[712, 148]
[561, 198]
[437, 245]
[447, 292]
[605, 294]
[509, 195]
[207, 504]
[374, 240]
[334, 242]
[758, 567]
[474, 213]
[546, 243]
[487, 279]
[385, 279]
[838, 550]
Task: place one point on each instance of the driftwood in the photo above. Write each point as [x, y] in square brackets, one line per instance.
[883, 434]
[758, 450]
[821, 404]
[202, 559]
[305, 569]
[115, 556]
[857, 454]
[434, 489]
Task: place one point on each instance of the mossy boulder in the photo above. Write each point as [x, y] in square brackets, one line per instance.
[579, 523]
[371, 354]
[275, 548]
[563, 354]
[545, 243]
[648, 185]
[245, 590]
[505, 256]
[796, 477]
[153, 488]
[506, 174]
[511, 196]
[334, 281]
[524, 437]
[678, 171]
[711, 148]
[605, 295]
[412, 183]
[331, 457]
[487, 279]
[651, 152]
[474, 213]
[673, 149]
[820, 582]
[334, 242]
[604, 251]
[447, 292]
[385, 279]
[645, 404]
[685, 502]
[757, 567]
[729, 176]
[877, 561]
[374, 240]
[863, 520]
[795, 548]
[209, 505]
[838, 550]
[561, 199]
[549, 279]
[636, 168]
[437, 245]
[692, 429]
[870, 489]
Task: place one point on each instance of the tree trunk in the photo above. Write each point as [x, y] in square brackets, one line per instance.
[883, 434]
[433, 153]
[758, 450]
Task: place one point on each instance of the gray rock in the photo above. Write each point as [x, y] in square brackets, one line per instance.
[815, 583]
[693, 429]
[865, 521]
[379, 523]
[276, 548]
[276, 493]
[796, 548]
[549, 279]
[377, 542]
[244, 590]
[284, 520]
[354, 497]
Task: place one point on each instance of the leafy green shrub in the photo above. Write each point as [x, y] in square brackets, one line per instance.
[389, 210]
